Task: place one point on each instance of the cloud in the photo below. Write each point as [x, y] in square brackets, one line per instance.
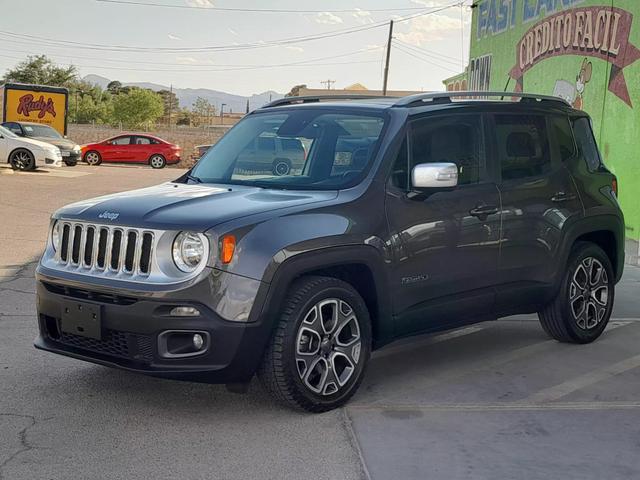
[232, 31]
[200, 3]
[294, 49]
[362, 16]
[328, 18]
[173, 37]
[429, 28]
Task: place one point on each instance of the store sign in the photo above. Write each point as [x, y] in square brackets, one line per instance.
[28, 104]
[599, 32]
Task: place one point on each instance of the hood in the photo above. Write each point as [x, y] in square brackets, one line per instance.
[176, 206]
[61, 143]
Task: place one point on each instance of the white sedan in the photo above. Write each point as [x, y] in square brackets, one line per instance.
[27, 154]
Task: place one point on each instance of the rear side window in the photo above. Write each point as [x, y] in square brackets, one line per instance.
[586, 142]
[522, 146]
[143, 141]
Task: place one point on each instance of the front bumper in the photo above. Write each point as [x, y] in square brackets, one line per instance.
[131, 327]
[70, 156]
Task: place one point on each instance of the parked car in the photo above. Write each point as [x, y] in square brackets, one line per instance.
[269, 153]
[70, 150]
[199, 151]
[444, 211]
[26, 153]
[132, 148]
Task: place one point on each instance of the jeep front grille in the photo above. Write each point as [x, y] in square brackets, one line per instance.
[120, 250]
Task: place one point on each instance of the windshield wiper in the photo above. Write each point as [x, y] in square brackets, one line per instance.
[194, 178]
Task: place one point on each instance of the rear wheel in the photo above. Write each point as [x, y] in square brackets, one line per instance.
[23, 160]
[319, 350]
[281, 167]
[93, 158]
[157, 161]
[581, 310]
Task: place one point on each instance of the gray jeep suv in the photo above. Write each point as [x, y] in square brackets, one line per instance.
[408, 216]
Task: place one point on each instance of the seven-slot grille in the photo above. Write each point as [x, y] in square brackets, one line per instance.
[106, 248]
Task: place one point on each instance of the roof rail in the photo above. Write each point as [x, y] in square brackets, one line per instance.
[446, 97]
[318, 98]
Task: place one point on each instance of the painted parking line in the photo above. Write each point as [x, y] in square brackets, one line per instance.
[47, 172]
[486, 407]
[565, 388]
[483, 365]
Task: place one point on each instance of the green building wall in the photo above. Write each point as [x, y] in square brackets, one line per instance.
[582, 50]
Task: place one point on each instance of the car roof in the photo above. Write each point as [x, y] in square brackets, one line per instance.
[27, 123]
[137, 134]
[421, 102]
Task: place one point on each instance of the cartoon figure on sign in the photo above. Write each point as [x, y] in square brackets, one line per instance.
[584, 76]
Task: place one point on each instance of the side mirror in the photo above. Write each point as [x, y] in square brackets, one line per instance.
[434, 175]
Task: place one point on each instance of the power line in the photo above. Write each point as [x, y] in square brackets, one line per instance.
[429, 61]
[242, 68]
[286, 41]
[194, 66]
[256, 10]
[427, 53]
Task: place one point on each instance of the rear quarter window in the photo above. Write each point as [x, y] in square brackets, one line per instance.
[586, 142]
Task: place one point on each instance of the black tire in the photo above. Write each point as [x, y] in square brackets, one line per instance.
[562, 318]
[288, 377]
[93, 158]
[70, 163]
[157, 161]
[22, 159]
[281, 167]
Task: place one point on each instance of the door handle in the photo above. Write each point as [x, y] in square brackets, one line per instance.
[560, 197]
[482, 212]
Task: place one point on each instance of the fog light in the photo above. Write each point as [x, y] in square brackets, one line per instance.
[198, 341]
[184, 312]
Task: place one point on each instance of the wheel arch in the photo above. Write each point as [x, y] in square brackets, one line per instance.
[606, 231]
[21, 147]
[360, 266]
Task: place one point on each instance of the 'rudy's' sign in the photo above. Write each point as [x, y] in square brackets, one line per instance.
[600, 32]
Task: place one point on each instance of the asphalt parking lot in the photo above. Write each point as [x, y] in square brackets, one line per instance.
[498, 400]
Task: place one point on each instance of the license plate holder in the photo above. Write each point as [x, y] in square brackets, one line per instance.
[80, 318]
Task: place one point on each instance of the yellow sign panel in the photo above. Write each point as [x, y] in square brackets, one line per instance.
[38, 107]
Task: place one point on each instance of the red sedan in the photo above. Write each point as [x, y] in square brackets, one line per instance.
[132, 148]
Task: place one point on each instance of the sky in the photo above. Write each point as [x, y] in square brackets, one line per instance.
[199, 44]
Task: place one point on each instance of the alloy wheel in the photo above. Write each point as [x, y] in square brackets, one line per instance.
[328, 346]
[589, 293]
[157, 161]
[21, 160]
[281, 169]
[92, 158]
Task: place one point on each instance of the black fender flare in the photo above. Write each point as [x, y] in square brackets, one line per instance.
[611, 223]
[281, 274]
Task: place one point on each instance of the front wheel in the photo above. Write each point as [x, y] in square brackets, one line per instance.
[70, 163]
[22, 160]
[581, 310]
[157, 161]
[281, 167]
[318, 353]
[93, 158]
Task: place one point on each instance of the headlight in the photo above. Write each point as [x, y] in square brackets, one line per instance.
[55, 235]
[189, 251]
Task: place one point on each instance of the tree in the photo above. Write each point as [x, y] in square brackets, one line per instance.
[184, 117]
[295, 91]
[170, 102]
[203, 111]
[137, 107]
[41, 70]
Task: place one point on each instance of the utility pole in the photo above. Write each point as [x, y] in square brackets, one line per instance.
[170, 104]
[328, 83]
[386, 65]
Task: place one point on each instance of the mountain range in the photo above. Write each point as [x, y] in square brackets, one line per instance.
[186, 96]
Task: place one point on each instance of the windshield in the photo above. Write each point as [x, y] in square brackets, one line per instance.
[40, 131]
[301, 149]
[7, 133]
